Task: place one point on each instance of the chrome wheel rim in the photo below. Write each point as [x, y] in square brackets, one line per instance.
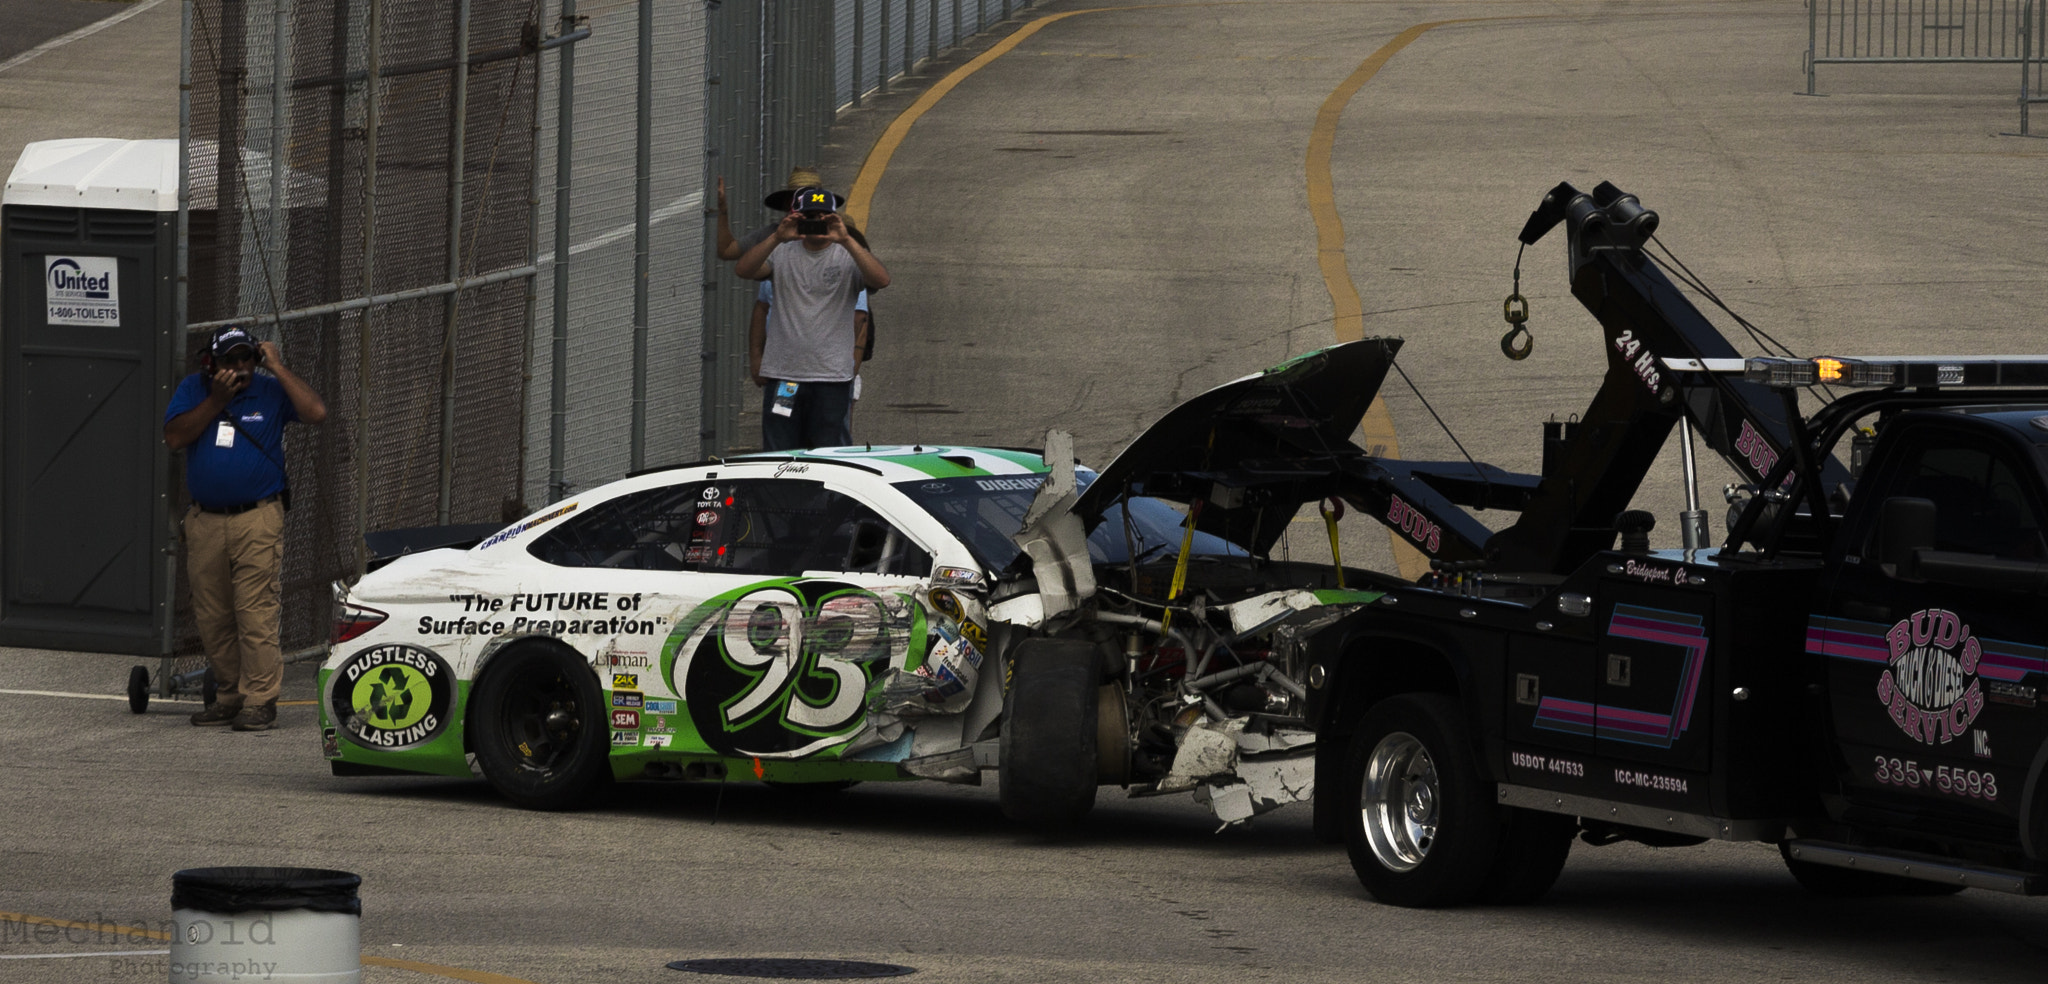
[1399, 802]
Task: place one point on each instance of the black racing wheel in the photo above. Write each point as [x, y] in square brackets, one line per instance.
[538, 727]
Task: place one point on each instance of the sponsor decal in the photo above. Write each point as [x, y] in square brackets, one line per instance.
[710, 492]
[511, 531]
[621, 659]
[2001, 692]
[657, 741]
[934, 488]
[625, 720]
[330, 743]
[392, 697]
[625, 738]
[1757, 451]
[82, 290]
[1930, 688]
[625, 681]
[707, 517]
[1411, 521]
[626, 698]
[1645, 364]
[1030, 484]
[660, 707]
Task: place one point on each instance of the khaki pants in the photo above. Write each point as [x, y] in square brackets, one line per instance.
[233, 562]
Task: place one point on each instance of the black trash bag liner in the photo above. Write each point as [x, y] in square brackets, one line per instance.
[266, 890]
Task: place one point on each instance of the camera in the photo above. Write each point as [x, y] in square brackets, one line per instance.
[812, 227]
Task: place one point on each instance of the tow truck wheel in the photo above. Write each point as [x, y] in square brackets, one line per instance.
[1048, 743]
[1425, 831]
[538, 729]
[1846, 883]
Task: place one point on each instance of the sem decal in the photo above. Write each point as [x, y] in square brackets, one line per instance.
[392, 696]
[625, 720]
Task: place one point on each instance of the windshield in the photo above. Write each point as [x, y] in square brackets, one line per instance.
[984, 512]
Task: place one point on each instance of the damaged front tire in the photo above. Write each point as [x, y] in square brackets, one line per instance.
[1048, 746]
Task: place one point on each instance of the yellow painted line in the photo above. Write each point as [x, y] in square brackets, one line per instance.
[1377, 429]
[118, 929]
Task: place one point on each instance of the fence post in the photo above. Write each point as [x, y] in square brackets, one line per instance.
[451, 306]
[558, 394]
[860, 42]
[643, 205]
[882, 51]
[373, 61]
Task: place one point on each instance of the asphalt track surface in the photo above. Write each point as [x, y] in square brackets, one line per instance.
[1110, 215]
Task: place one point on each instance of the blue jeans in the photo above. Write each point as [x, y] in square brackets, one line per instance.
[821, 418]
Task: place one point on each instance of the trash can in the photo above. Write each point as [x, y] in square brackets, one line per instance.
[289, 925]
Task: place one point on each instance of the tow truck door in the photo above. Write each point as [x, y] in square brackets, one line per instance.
[1933, 687]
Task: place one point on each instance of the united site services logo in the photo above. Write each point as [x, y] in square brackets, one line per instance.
[1931, 686]
[392, 697]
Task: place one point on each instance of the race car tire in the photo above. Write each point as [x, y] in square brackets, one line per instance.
[1423, 830]
[1048, 741]
[1847, 883]
[538, 729]
[1533, 847]
[138, 689]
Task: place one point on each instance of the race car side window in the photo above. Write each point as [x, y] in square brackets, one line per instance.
[647, 530]
[749, 526]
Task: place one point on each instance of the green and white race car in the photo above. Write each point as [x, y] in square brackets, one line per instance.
[883, 613]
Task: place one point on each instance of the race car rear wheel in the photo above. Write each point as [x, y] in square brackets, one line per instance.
[1048, 744]
[538, 729]
[1425, 831]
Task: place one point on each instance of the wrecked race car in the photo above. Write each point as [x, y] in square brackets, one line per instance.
[881, 613]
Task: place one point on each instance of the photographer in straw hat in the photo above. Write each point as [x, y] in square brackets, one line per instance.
[806, 361]
[730, 249]
[229, 420]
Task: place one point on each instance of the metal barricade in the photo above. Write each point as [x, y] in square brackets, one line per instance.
[1927, 32]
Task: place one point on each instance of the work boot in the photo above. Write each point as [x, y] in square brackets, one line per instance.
[216, 714]
[258, 717]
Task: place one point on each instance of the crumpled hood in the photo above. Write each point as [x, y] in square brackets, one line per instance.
[1274, 435]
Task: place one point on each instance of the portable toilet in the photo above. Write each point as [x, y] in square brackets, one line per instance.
[89, 352]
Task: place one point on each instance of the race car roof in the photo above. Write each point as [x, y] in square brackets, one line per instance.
[1275, 434]
[915, 462]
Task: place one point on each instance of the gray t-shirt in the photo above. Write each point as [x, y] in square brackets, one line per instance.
[810, 326]
[747, 241]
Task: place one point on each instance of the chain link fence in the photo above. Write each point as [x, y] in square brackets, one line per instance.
[479, 229]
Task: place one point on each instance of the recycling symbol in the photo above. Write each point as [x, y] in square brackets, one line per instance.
[390, 697]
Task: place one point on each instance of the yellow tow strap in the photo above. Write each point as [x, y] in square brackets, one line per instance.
[1333, 510]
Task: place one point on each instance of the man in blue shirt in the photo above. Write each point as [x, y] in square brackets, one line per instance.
[229, 420]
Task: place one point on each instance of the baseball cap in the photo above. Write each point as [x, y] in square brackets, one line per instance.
[813, 200]
[230, 338]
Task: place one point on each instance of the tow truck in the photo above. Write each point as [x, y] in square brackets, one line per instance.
[1853, 674]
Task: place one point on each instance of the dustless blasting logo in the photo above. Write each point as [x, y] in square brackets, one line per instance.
[1931, 687]
[783, 669]
[392, 697]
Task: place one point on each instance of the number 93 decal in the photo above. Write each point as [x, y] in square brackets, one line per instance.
[782, 669]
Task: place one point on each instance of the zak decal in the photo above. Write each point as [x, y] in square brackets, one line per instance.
[392, 697]
[784, 668]
[1931, 688]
